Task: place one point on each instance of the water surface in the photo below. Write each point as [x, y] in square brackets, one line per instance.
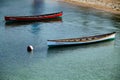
[100, 61]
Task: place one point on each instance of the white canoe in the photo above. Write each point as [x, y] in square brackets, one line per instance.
[82, 40]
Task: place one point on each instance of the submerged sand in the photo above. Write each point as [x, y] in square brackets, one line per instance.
[106, 5]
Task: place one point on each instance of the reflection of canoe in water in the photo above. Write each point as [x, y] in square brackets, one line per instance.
[82, 40]
[33, 18]
[19, 23]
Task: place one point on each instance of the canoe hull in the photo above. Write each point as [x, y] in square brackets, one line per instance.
[52, 43]
[33, 18]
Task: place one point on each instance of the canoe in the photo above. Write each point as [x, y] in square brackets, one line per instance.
[82, 40]
[33, 18]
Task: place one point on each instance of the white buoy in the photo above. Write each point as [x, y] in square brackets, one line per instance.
[30, 48]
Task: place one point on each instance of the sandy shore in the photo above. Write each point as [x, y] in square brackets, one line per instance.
[85, 4]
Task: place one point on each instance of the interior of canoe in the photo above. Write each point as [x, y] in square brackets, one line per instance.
[42, 15]
[84, 39]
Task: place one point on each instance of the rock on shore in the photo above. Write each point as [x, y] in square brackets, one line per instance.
[107, 5]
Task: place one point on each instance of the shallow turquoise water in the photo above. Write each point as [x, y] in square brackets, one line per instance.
[100, 61]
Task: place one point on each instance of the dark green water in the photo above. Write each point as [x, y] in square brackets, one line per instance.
[100, 61]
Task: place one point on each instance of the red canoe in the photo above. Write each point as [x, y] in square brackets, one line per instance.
[33, 18]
